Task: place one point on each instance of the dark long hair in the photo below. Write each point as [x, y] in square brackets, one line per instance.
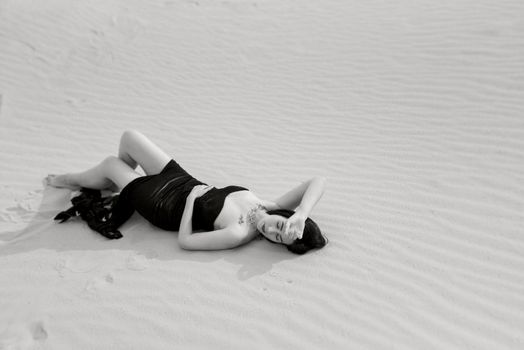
[311, 239]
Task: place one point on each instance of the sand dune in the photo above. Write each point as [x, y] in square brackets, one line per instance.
[414, 111]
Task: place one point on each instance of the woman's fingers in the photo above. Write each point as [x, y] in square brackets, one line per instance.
[286, 227]
[294, 228]
[291, 230]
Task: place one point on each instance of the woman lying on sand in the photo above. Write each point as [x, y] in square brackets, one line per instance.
[173, 200]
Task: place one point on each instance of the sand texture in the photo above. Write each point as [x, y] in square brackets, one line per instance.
[413, 110]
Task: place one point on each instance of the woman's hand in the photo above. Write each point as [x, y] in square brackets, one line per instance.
[199, 191]
[294, 227]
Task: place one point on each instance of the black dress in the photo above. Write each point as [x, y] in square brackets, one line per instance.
[161, 199]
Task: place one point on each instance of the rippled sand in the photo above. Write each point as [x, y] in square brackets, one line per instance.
[414, 111]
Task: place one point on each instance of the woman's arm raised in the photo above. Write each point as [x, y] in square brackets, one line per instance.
[304, 197]
[226, 238]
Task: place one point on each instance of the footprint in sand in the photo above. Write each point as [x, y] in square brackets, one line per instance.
[137, 262]
[95, 285]
[38, 331]
[20, 335]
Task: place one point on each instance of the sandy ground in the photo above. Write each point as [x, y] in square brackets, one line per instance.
[413, 110]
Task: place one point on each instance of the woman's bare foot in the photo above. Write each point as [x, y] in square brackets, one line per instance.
[60, 181]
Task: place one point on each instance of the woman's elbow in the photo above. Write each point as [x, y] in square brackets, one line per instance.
[184, 244]
[320, 183]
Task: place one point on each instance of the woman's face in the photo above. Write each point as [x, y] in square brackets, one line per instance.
[272, 227]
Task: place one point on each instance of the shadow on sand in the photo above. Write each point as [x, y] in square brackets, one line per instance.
[140, 237]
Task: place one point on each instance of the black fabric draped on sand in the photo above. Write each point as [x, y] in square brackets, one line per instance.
[159, 198]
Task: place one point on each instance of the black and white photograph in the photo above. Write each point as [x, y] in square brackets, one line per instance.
[261, 174]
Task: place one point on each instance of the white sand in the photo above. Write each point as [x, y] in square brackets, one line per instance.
[414, 110]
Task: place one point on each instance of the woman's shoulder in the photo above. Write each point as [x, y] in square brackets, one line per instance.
[251, 198]
[269, 205]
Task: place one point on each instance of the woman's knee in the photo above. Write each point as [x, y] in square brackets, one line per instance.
[136, 148]
[132, 142]
[131, 136]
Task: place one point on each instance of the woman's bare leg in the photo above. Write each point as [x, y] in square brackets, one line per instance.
[110, 173]
[136, 149]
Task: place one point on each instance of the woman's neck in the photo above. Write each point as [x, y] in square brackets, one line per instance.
[256, 214]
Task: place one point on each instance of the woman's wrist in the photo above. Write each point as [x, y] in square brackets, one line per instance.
[190, 198]
[187, 214]
[301, 212]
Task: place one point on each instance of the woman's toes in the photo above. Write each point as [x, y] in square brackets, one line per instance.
[60, 181]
